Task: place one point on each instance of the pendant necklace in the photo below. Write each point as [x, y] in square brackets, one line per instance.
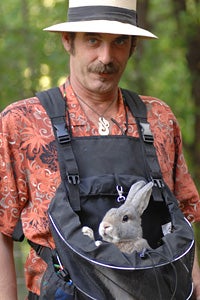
[103, 124]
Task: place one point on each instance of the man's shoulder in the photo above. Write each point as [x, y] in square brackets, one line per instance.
[158, 111]
[22, 114]
[153, 101]
[157, 106]
[21, 103]
[21, 107]
[149, 100]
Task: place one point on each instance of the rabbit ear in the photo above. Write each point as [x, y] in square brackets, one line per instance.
[139, 196]
[134, 190]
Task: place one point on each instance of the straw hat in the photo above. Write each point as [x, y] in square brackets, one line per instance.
[103, 16]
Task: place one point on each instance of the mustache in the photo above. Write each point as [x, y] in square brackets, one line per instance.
[102, 68]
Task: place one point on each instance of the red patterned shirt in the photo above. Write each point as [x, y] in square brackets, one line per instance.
[29, 170]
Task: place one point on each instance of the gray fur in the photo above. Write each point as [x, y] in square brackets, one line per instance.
[127, 235]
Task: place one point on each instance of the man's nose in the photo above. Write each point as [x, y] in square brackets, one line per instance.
[106, 54]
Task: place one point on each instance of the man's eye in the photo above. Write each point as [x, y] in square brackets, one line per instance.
[121, 40]
[92, 41]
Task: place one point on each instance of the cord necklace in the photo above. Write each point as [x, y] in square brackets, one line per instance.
[103, 123]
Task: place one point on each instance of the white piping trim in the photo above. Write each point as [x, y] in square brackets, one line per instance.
[110, 266]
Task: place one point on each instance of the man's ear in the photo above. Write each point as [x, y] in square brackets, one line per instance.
[66, 41]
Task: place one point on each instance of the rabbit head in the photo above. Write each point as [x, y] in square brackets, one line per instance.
[124, 223]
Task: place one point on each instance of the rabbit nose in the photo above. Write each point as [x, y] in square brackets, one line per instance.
[105, 227]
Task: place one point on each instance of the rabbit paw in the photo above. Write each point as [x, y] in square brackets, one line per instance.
[88, 231]
[98, 243]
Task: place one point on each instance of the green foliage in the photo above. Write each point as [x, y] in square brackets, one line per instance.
[30, 58]
[162, 68]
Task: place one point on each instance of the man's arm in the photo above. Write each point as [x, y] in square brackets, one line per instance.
[8, 286]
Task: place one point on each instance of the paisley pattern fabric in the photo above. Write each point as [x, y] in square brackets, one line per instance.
[29, 172]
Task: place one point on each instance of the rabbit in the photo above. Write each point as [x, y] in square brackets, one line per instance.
[122, 227]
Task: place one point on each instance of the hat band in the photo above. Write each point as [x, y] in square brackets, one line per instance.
[111, 13]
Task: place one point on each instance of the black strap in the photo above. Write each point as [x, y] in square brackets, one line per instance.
[44, 252]
[153, 171]
[55, 106]
[32, 296]
[18, 235]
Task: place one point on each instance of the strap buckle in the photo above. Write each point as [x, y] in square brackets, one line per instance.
[73, 178]
[62, 133]
[158, 182]
[146, 132]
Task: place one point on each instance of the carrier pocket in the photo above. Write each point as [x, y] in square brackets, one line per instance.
[56, 283]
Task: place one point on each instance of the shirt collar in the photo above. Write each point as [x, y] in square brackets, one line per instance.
[77, 115]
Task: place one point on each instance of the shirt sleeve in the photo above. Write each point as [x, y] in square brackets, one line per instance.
[13, 186]
[169, 148]
[184, 186]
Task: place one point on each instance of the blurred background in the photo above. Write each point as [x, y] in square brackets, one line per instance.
[167, 68]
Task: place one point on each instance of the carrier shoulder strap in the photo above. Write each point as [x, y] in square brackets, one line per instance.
[153, 171]
[55, 106]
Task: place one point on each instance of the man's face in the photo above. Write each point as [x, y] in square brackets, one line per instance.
[97, 60]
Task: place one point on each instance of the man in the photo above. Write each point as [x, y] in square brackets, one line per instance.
[99, 38]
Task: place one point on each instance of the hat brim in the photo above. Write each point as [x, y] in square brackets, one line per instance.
[102, 26]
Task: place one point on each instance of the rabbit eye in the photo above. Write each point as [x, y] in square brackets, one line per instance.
[125, 218]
